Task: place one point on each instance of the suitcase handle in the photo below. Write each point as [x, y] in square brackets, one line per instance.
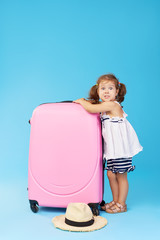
[69, 101]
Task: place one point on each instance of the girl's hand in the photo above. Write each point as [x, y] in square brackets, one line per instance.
[80, 101]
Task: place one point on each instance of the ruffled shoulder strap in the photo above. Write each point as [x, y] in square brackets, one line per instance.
[117, 103]
[124, 114]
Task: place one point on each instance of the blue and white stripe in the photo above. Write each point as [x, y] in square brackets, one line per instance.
[120, 165]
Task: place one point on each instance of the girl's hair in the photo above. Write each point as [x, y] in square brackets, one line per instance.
[93, 94]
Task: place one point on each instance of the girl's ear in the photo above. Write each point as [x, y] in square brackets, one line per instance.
[117, 91]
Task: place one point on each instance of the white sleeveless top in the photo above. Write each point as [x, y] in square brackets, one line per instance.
[120, 139]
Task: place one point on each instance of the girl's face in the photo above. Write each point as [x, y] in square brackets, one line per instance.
[107, 91]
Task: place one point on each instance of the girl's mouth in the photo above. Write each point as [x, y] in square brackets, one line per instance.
[106, 96]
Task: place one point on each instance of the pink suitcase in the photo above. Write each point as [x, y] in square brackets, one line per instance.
[65, 157]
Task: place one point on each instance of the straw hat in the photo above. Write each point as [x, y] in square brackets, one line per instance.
[79, 218]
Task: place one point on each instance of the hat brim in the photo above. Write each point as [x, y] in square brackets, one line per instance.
[59, 222]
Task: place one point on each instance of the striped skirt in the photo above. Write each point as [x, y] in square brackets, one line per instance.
[120, 165]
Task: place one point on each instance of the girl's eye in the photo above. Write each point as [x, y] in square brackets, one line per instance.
[110, 88]
[102, 88]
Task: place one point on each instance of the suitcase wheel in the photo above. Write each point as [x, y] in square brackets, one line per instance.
[95, 211]
[94, 208]
[102, 203]
[33, 206]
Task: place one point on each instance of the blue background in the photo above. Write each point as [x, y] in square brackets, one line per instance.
[53, 51]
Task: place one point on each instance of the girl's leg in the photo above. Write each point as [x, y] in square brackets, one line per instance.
[122, 188]
[113, 184]
[120, 206]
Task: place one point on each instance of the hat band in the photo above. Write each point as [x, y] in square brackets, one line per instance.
[79, 224]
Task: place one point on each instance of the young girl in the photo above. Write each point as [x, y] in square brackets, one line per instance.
[120, 140]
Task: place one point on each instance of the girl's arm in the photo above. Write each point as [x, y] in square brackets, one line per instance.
[95, 108]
